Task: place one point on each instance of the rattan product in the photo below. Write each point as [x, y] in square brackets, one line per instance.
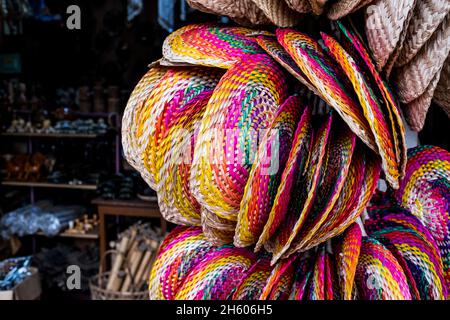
[295, 165]
[254, 281]
[302, 274]
[133, 139]
[332, 179]
[179, 253]
[385, 25]
[243, 104]
[379, 276]
[302, 6]
[279, 283]
[341, 8]
[316, 285]
[426, 164]
[210, 45]
[353, 40]
[372, 109]
[413, 78]
[427, 17]
[442, 92]
[318, 6]
[325, 75]
[265, 175]
[217, 230]
[301, 200]
[276, 51]
[239, 10]
[278, 12]
[217, 275]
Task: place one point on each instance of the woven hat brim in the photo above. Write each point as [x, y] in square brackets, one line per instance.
[302, 6]
[254, 281]
[280, 280]
[342, 8]
[278, 12]
[316, 285]
[442, 92]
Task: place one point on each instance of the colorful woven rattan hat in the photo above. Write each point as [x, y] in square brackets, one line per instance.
[210, 45]
[254, 281]
[244, 102]
[302, 274]
[316, 286]
[295, 165]
[379, 276]
[265, 175]
[279, 283]
[329, 81]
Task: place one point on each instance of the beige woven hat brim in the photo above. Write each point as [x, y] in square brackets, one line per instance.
[442, 92]
[416, 111]
[342, 8]
[318, 6]
[414, 78]
[302, 6]
[428, 15]
[242, 11]
[385, 21]
[278, 12]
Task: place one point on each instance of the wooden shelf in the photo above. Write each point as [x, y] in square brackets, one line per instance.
[51, 135]
[87, 236]
[50, 185]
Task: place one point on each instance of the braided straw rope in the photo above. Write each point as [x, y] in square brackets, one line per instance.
[325, 75]
[244, 102]
[342, 8]
[302, 6]
[416, 110]
[427, 17]
[254, 281]
[180, 252]
[210, 45]
[276, 51]
[316, 285]
[353, 40]
[279, 283]
[239, 10]
[347, 252]
[372, 109]
[217, 275]
[385, 21]
[265, 175]
[302, 199]
[413, 79]
[333, 176]
[278, 12]
[295, 165]
[426, 165]
[171, 112]
[442, 92]
[379, 276]
[218, 231]
[302, 275]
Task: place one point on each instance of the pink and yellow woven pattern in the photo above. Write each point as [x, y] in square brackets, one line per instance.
[254, 281]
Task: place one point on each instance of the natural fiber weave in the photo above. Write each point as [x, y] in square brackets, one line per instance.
[385, 21]
[428, 15]
[329, 81]
[379, 276]
[278, 12]
[209, 45]
[265, 175]
[217, 275]
[316, 285]
[243, 104]
[279, 283]
[442, 92]
[305, 187]
[217, 230]
[413, 78]
[318, 6]
[302, 6]
[302, 274]
[295, 166]
[378, 122]
[341, 8]
[254, 281]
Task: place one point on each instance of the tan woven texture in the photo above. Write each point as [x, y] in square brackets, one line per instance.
[414, 78]
[278, 12]
[384, 24]
[342, 8]
[428, 15]
[302, 6]
[442, 92]
[318, 6]
[243, 11]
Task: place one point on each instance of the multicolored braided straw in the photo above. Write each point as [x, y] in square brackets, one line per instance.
[353, 41]
[371, 107]
[217, 230]
[254, 281]
[265, 175]
[316, 285]
[332, 179]
[217, 276]
[347, 250]
[210, 45]
[279, 283]
[303, 195]
[179, 253]
[295, 165]
[379, 276]
[302, 274]
[325, 75]
[243, 104]
[172, 111]
[427, 164]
